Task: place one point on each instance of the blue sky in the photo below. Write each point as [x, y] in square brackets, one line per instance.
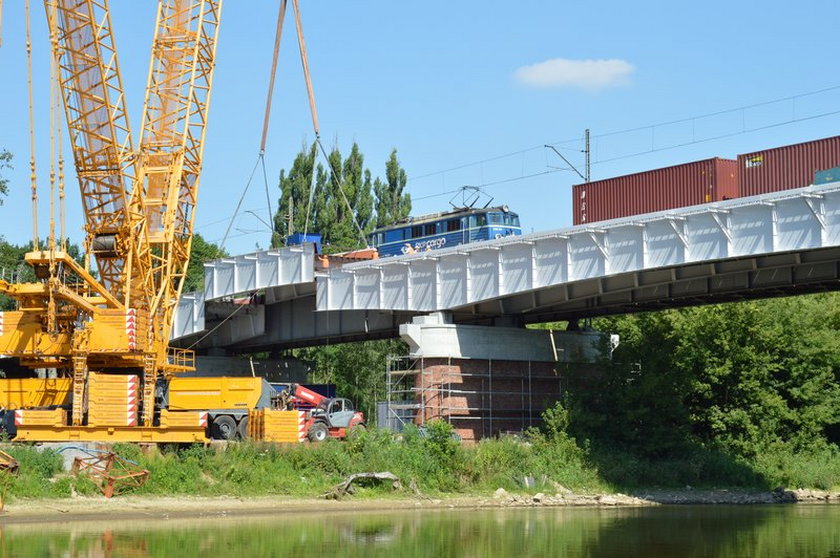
[453, 83]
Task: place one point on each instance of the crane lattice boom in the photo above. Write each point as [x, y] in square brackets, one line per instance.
[92, 90]
[138, 204]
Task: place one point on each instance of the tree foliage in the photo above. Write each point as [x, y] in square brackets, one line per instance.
[201, 252]
[342, 207]
[295, 188]
[343, 202]
[745, 378]
[392, 202]
[5, 163]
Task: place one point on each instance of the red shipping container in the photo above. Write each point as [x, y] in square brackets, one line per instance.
[694, 183]
[784, 168]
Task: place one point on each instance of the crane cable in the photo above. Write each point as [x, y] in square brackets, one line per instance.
[60, 147]
[261, 157]
[52, 15]
[278, 33]
[314, 111]
[56, 118]
[32, 175]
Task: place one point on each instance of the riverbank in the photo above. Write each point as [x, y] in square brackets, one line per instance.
[92, 508]
[431, 469]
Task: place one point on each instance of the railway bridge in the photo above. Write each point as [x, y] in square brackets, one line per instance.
[469, 303]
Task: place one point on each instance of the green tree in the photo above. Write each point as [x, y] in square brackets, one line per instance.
[357, 187]
[356, 369]
[295, 188]
[763, 374]
[341, 203]
[392, 203]
[5, 163]
[349, 203]
[744, 377]
[201, 252]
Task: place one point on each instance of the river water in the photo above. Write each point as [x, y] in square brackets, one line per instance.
[684, 531]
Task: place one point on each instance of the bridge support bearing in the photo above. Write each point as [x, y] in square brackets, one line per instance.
[487, 380]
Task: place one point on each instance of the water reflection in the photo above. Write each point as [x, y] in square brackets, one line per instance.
[771, 531]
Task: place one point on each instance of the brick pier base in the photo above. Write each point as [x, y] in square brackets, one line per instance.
[483, 398]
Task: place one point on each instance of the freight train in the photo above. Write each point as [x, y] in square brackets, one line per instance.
[709, 180]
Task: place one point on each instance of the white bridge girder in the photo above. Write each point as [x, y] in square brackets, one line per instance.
[769, 245]
[281, 270]
[779, 239]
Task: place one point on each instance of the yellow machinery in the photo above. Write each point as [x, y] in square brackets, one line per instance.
[216, 393]
[28, 393]
[139, 206]
[188, 405]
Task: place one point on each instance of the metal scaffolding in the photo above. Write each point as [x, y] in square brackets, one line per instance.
[417, 393]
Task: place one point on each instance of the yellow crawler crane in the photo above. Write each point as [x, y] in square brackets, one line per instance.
[139, 211]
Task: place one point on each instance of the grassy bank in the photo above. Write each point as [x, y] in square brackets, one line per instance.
[436, 464]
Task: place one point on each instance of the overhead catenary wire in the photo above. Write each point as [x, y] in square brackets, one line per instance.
[638, 153]
[224, 219]
[717, 137]
[494, 183]
[238, 205]
[559, 144]
[720, 112]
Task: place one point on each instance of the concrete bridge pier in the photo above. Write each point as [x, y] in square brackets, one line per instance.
[485, 380]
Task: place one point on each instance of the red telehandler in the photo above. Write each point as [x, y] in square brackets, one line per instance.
[325, 416]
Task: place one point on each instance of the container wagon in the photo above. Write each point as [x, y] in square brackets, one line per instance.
[788, 167]
[694, 183]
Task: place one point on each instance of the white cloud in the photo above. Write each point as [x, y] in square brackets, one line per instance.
[583, 74]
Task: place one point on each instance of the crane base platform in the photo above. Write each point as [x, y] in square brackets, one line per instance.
[179, 435]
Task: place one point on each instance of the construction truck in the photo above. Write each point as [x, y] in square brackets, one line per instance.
[102, 326]
[215, 408]
[227, 402]
[219, 406]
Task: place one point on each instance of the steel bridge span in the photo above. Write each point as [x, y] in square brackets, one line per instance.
[777, 244]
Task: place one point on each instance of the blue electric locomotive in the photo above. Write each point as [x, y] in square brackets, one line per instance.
[442, 230]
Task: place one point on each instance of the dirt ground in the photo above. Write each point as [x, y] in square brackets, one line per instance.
[153, 507]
